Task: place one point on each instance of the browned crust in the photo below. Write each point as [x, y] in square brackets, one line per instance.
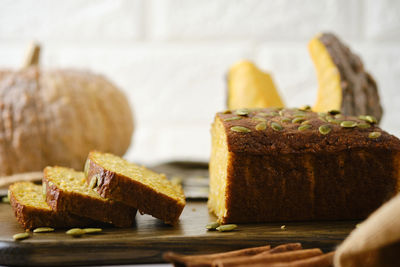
[291, 140]
[135, 194]
[109, 211]
[31, 217]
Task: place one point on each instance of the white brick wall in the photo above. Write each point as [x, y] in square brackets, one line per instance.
[171, 56]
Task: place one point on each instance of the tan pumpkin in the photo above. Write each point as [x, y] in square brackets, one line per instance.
[56, 117]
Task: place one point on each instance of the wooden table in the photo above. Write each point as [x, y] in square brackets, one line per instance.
[146, 242]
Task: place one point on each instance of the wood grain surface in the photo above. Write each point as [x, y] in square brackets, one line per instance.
[145, 242]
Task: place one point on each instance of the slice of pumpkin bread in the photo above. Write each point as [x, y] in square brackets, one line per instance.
[66, 190]
[31, 210]
[148, 191]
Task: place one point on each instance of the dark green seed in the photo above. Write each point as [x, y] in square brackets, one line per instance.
[286, 120]
[261, 126]
[307, 107]
[362, 117]
[21, 236]
[348, 124]
[227, 111]
[242, 112]
[299, 115]
[276, 126]
[226, 227]
[304, 127]
[305, 122]
[298, 120]
[363, 125]
[373, 135]
[233, 118]
[325, 129]
[212, 226]
[240, 129]
[334, 112]
[371, 119]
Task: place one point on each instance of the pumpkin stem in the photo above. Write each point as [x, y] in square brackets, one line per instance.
[32, 55]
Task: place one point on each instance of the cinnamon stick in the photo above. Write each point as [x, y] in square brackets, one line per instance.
[283, 248]
[288, 256]
[206, 259]
[324, 260]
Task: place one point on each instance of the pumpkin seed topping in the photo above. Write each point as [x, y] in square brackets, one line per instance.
[363, 125]
[305, 108]
[299, 114]
[92, 230]
[298, 120]
[322, 114]
[75, 232]
[371, 119]
[348, 124]
[227, 111]
[334, 112]
[281, 113]
[212, 226]
[273, 113]
[240, 129]
[233, 118]
[322, 119]
[286, 120]
[374, 135]
[242, 112]
[44, 190]
[304, 127]
[21, 236]
[93, 182]
[259, 119]
[261, 126]
[226, 227]
[43, 230]
[262, 114]
[332, 120]
[306, 122]
[325, 129]
[276, 126]
[363, 117]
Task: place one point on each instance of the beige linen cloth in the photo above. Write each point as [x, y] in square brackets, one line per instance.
[376, 242]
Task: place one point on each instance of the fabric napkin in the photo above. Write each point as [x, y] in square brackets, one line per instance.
[375, 242]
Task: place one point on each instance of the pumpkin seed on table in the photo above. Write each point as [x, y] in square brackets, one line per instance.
[21, 236]
[43, 230]
[92, 230]
[276, 126]
[226, 227]
[240, 129]
[348, 124]
[75, 232]
[324, 129]
[212, 226]
[233, 118]
[242, 112]
[5, 199]
[261, 126]
[304, 127]
[374, 135]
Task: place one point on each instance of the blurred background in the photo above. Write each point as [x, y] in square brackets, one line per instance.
[170, 57]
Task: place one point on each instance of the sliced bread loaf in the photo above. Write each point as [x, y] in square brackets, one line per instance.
[148, 191]
[66, 190]
[32, 211]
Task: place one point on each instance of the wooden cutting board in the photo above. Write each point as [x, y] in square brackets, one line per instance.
[146, 242]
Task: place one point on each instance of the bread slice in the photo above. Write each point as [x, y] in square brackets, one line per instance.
[148, 191]
[66, 190]
[32, 211]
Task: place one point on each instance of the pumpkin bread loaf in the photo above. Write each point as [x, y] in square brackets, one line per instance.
[66, 190]
[148, 191]
[290, 165]
[32, 211]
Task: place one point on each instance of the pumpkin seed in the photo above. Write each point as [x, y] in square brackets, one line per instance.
[305, 122]
[212, 226]
[299, 115]
[93, 182]
[363, 125]
[322, 114]
[262, 114]
[242, 112]
[43, 230]
[306, 107]
[281, 113]
[44, 190]
[325, 129]
[226, 227]
[373, 135]
[334, 112]
[273, 113]
[259, 119]
[233, 118]
[240, 129]
[276, 126]
[5, 199]
[322, 119]
[283, 227]
[286, 120]
[298, 120]
[363, 117]
[92, 230]
[261, 126]
[348, 124]
[21, 236]
[227, 111]
[371, 119]
[86, 168]
[304, 127]
[332, 120]
[75, 232]
[338, 116]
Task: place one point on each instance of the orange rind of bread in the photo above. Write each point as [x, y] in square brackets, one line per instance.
[31, 210]
[149, 192]
[66, 190]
